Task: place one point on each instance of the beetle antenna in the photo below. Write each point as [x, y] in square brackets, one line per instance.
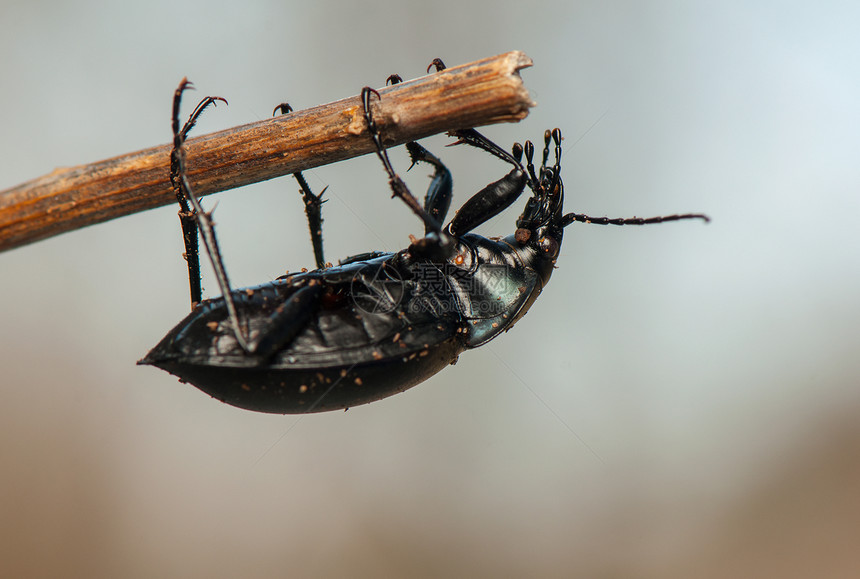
[571, 217]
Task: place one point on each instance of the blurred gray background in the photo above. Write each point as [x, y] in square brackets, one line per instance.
[680, 402]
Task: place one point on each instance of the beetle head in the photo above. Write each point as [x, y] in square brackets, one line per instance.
[540, 224]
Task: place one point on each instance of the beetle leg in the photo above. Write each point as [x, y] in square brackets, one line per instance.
[473, 137]
[313, 204]
[440, 191]
[398, 187]
[203, 220]
[286, 321]
[437, 62]
[488, 202]
[476, 139]
[495, 197]
[437, 201]
[186, 214]
[436, 243]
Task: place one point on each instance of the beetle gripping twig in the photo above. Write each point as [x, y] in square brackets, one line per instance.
[478, 93]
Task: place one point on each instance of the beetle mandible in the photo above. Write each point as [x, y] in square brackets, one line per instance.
[377, 323]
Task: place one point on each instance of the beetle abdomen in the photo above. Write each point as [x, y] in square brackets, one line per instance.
[295, 390]
[343, 354]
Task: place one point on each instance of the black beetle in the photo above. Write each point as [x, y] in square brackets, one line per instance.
[377, 323]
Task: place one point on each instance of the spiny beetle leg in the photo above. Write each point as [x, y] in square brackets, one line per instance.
[476, 139]
[186, 216]
[313, 211]
[203, 220]
[313, 203]
[437, 201]
[437, 244]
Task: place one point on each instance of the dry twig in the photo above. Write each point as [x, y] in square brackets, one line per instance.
[479, 93]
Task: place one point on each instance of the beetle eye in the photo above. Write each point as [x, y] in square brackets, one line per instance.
[549, 247]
